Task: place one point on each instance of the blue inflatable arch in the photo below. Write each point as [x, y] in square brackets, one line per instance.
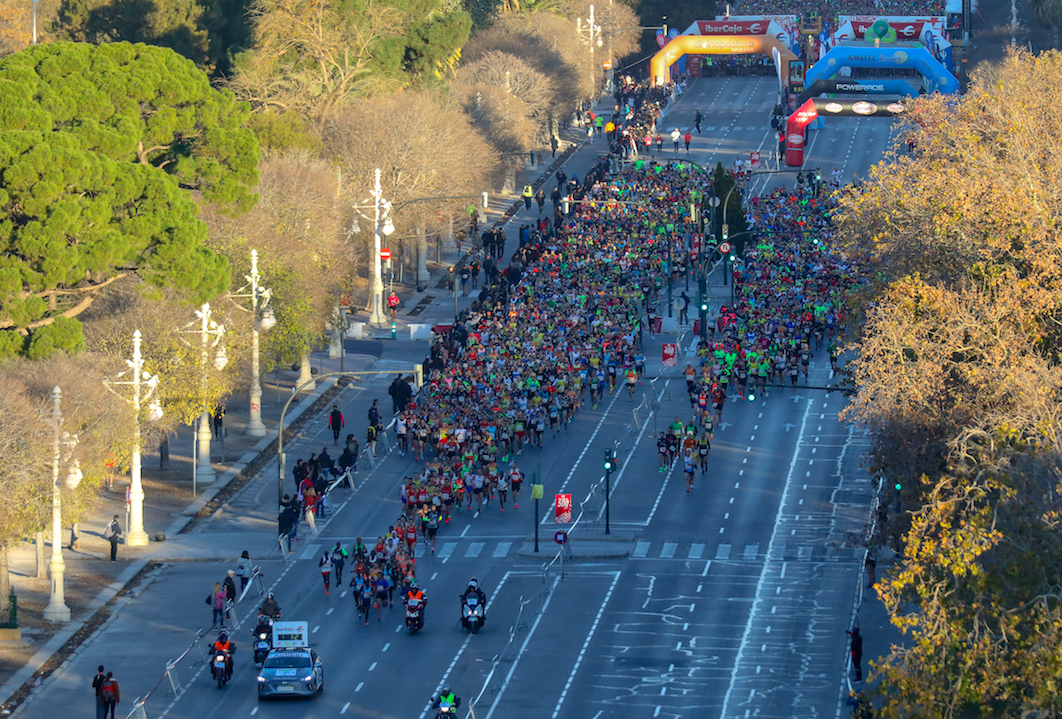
[915, 57]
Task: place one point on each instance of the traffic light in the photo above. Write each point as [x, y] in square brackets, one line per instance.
[898, 485]
[818, 174]
[752, 396]
[726, 232]
[608, 459]
[704, 304]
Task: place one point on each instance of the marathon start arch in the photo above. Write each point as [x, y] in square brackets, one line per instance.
[661, 63]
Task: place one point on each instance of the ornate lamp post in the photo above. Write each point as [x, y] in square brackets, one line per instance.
[263, 320]
[144, 385]
[382, 226]
[210, 336]
[57, 611]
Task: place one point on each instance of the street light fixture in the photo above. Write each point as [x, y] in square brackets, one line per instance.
[263, 320]
[57, 611]
[144, 385]
[210, 336]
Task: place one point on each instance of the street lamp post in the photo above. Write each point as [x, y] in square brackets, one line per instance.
[57, 611]
[382, 225]
[592, 32]
[144, 385]
[262, 320]
[210, 336]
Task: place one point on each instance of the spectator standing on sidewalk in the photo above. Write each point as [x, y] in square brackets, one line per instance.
[219, 420]
[113, 533]
[374, 413]
[97, 684]
[540, 198]
[353, 449]
[109, 695]
[857, 653]
[336, 423]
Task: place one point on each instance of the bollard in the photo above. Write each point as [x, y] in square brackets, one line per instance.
[394, 330]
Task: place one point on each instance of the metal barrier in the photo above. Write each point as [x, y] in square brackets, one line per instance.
[138, 711]
[282, 542]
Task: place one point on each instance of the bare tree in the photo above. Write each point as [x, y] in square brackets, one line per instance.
[425, 146]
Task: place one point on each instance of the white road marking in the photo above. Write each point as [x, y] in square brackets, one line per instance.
[372, 666]
[358, 688]
[315, 629]
[330, 611]
[463, 533]
[386, 647]
[725, 711]
[582, 651]
[344, 709]
[523, 647]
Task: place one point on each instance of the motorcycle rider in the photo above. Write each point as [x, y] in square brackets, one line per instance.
[224, 645]
[446, 695]
[474, 591]
[270, 608]
[415, 592]
[265, 626]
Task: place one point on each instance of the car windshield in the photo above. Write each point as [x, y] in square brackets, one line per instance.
[287, 661]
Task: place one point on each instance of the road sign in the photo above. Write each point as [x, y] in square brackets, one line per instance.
[754, 160]
[724, 247]
[537, 491]
[385, 254]
[560, 537]
[670, 353]
[563, 504]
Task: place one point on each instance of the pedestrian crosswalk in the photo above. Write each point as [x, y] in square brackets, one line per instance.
[721, 551]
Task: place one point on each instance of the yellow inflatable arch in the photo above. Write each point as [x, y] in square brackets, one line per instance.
[717, 45]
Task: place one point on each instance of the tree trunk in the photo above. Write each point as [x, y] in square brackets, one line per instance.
[42, 561]
[164, 455]
[305, 382]
[5, 581]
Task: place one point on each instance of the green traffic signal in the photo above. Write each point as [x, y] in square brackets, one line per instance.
[898, 486]
[608, 460]
[752, 396]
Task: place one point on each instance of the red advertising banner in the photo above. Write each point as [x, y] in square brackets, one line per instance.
[564, 509]
[670, 355]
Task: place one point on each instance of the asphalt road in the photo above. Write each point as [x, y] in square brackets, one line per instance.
[729, 601]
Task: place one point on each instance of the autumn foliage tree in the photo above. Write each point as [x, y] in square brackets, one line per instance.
[958, 380]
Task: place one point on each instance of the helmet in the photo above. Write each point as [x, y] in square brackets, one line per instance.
[223, 637]
[472, 583]
[269, 596]
[445, 690]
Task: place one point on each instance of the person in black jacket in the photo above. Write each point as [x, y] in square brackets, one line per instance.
[286, 520]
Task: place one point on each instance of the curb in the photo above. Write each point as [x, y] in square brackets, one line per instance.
[579, 550]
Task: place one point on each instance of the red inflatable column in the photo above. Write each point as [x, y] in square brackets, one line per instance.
[795, 133]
